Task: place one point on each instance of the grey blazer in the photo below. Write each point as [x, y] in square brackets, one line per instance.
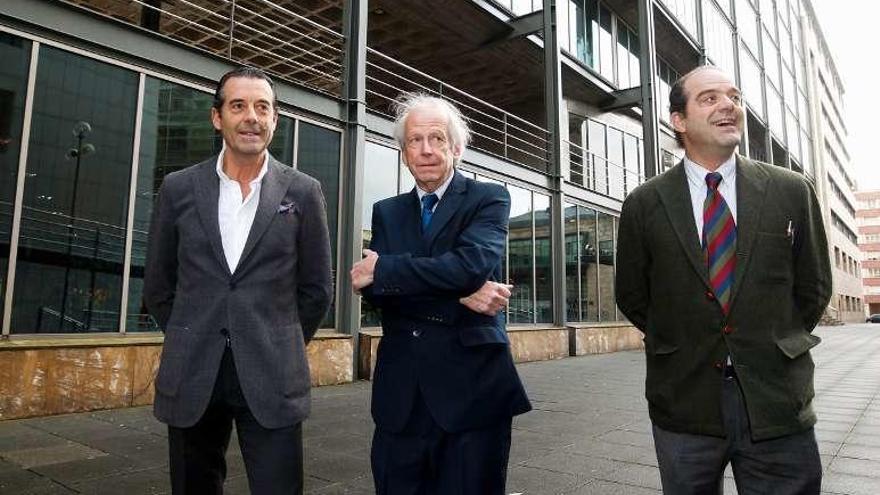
[270, 307]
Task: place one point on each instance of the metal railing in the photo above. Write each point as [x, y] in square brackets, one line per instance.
[494, 130]
[598, 174]
[289, 39]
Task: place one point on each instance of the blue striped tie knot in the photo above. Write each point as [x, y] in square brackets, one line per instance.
[719, 241]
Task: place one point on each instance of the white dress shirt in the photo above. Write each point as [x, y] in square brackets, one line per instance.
[236, 215]
[439, 192]
[696, 177]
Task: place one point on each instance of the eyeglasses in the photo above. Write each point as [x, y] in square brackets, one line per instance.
[435, 141]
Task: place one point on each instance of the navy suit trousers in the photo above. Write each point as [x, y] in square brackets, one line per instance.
[425, 460]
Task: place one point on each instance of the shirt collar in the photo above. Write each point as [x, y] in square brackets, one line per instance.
[696, 174]
[225, 178]
[440, 190]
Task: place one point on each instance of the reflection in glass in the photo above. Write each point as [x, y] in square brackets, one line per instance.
[69, 271]
[521, 256]
[15, 54]
[607, 309]
[587, 253]
[381, 167]
[572, 253]
[318, 155]
[176, 132]
[543, 260]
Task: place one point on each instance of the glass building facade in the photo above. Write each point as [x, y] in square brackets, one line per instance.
[87, 135]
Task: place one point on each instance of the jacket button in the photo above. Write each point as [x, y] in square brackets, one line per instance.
[417, 333]
[727, 330]
[710, 296]
[231, 285]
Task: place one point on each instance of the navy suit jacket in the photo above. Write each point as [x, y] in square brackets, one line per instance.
[459, 360]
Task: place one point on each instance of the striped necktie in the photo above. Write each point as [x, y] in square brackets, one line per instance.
[719, 241]
[428, 202]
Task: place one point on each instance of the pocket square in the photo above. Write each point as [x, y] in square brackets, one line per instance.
[285, 208]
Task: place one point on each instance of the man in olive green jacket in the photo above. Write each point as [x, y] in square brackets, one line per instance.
[729, 372]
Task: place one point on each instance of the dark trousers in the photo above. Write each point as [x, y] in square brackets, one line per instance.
[694, 464]
[273, 458]
[425, 460]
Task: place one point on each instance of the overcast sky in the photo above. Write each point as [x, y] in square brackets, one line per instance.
[850, 28]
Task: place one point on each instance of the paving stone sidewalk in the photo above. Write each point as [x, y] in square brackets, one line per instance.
[589, 434]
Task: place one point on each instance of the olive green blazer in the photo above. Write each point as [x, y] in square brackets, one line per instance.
[782, 284]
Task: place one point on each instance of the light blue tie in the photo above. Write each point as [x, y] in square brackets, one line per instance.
[428, 202]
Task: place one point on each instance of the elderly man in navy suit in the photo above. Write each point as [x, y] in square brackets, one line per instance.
[445, 388]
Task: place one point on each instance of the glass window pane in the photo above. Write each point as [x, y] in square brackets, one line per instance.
[771, 59]
[747, 24]
[615, 163]
[543, 260]
[774, 111]
[606, 44]
[596, 147]
[520, 253]
[15, 54]
[381, 165]
[606, 268]
[623, 80]
[719, 38]
[572, 253]
[575, 150]
[751, 83]
[281, 146]
[176, 132]
[631, 160]
[319, 155]
[588, 252]
[69, 271]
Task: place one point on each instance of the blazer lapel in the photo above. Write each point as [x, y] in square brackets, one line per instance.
[676, 197]
[751, 192]
[272, 190]
[446, 208]
[207, 198]
[410, 226]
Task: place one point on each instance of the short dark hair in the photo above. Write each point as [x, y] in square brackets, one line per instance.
[678, 98]
[243, 71]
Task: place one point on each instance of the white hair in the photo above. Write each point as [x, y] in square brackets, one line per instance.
[456, 126]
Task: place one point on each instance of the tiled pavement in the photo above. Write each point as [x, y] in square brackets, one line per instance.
[589, 434]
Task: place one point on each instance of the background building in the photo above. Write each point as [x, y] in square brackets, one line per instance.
[868, 216]
[100, 99]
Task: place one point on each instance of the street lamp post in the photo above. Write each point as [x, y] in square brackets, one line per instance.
[80, 130]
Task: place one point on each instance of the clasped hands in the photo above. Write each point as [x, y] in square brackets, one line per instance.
[491, 298]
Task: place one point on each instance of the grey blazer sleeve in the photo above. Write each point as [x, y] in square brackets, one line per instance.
[314, 277]
[160, 272]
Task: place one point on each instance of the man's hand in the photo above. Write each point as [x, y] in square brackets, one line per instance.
[489, 300]
[362, 271]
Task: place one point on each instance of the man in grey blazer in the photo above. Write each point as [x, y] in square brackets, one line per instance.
[238, 276]
[723, 264]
